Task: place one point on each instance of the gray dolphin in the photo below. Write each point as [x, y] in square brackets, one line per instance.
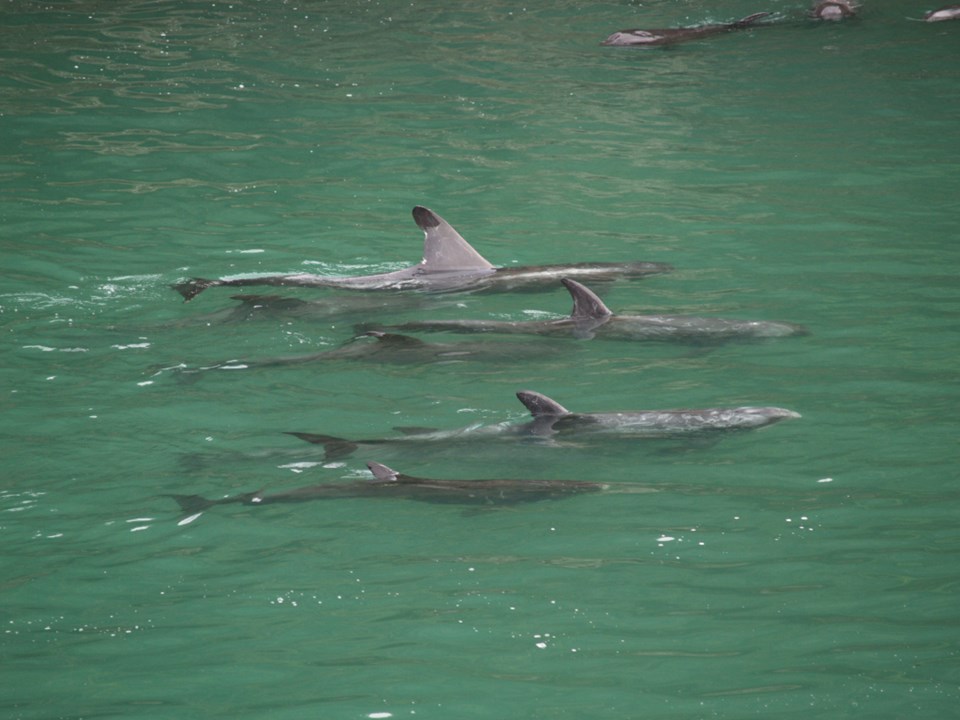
[671, 36]
[449, 263]
[591, 318]
[388, 483]
[834, 10]
[949, 12]
[383, 347]
[553, 422]
[555, 419]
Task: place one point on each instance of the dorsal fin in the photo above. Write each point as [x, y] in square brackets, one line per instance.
[540, 405]
[586, 303]
[382, 473]
[749, 19]
[443, 247]
[395, 339]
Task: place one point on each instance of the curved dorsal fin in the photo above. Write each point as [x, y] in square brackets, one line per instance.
[586, 303]
[749, 19]
[382, 473]
[540, 405]
[443, 247]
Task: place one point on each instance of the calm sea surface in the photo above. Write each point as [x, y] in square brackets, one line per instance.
[800, 172]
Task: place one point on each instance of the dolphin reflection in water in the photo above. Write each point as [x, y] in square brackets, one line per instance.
[449, 263]
[590, 318]
[552, 422]
[388, 483]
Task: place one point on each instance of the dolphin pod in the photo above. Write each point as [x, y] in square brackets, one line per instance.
[388, 483]
[449, 264]
[591, 318]
[551, 421]
[671, 36]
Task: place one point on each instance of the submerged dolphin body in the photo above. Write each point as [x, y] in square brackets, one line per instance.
[671, 36]
[449, 263]
[553, 422]
[394, 348]
[388, 483]
[592, 318]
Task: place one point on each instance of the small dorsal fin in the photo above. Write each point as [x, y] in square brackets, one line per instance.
[586, 303]
[394, 339]
[443, 247]
[749, 19]
[540, 405]
[382, 473]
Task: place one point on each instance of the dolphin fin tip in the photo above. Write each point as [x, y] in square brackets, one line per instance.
[425, 218]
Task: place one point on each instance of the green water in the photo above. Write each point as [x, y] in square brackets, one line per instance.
[804, 173]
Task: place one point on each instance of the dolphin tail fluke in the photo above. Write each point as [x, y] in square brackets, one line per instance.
[749, 19]
[193, 287]
[335, 447]
[193, 504]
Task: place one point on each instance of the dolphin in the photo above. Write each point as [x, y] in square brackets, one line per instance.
[384, 347]
[555, 419]
[948, 12]
[590, 318]
[670, 36]
[388, 483]
[449, 264]
[833, 10]
[552, 422]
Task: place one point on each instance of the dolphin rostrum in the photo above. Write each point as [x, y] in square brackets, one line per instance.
[394, 348]
[670, 36]
[592, 318]
[388, 483]
[553, 422]
[449, 263]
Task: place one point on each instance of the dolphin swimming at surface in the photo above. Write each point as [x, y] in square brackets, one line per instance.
[551, 422]
[592, 318]
[388, 483]
[671, 36]
[948, 12]
[449, 264]
[835, 10]
[383, 347]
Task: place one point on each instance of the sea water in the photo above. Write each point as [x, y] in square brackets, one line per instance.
[799, 172]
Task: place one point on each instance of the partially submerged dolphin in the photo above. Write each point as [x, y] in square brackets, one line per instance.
[592, 318]
[552, 421]
[388, 483]
[835, 10]
[671, 36]
[449, 263]
[949, 12]
[384, 347]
